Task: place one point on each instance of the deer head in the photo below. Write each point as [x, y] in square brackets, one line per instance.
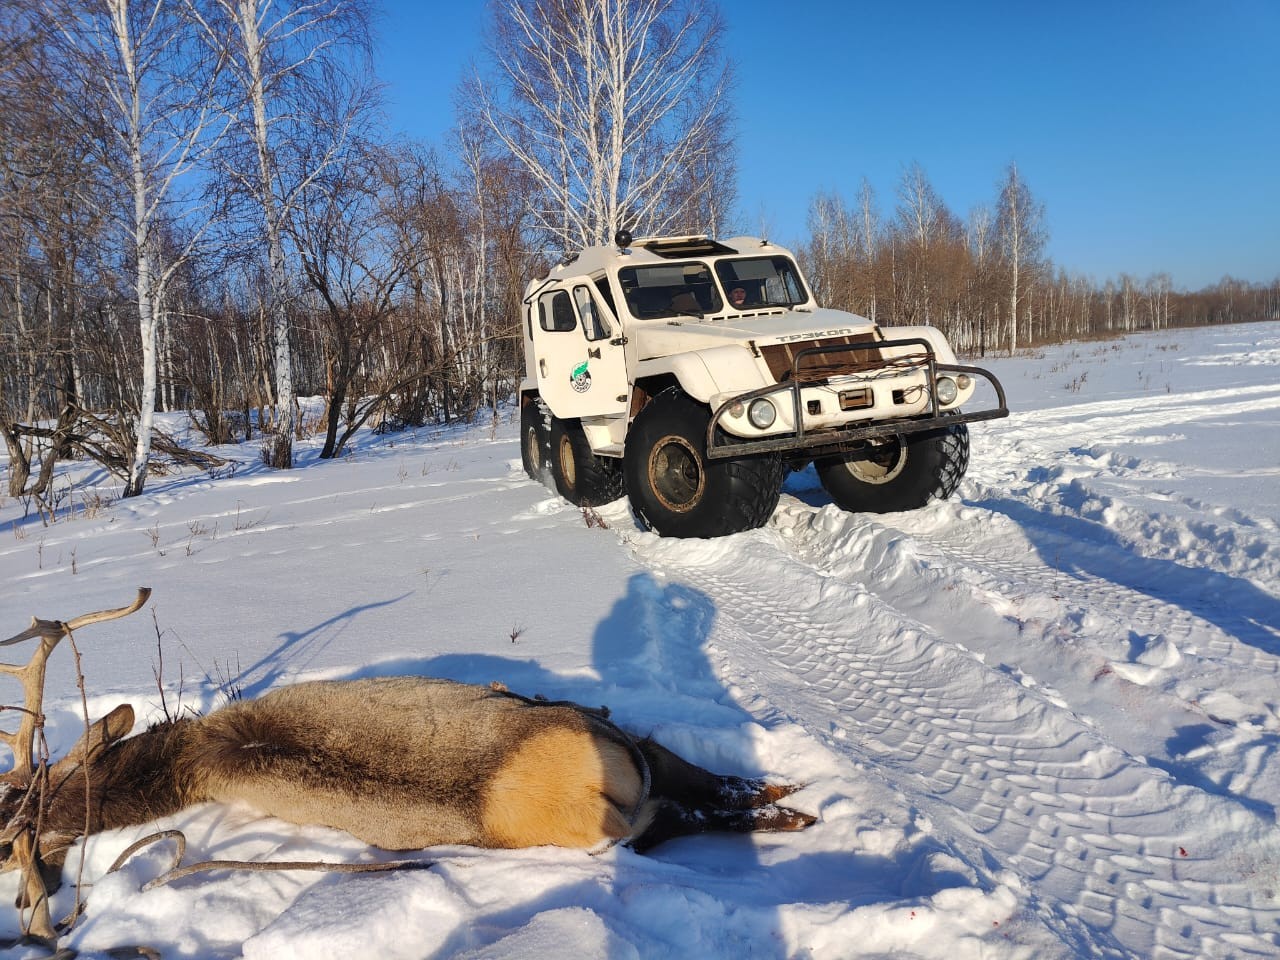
[24, 788]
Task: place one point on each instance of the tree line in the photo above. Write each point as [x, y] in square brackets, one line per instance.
[199, 212]
[196, 213]
[986, 281]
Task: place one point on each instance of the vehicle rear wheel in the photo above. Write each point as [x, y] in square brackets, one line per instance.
[534, 448]
[677, 491]
[581, 477]
[898, 473]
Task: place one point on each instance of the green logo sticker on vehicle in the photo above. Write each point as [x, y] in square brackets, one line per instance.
[580, 378]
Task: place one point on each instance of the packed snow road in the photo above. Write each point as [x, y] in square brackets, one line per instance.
[1069, 671]
[1111, 851]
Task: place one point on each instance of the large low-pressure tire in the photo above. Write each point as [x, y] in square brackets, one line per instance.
[534, 447]
[581, 477]
[678, 492]
[898, 473]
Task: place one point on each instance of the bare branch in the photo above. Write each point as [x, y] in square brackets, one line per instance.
[617, 110]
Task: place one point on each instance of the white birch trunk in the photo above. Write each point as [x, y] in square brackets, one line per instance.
[1013, 305]
[246, 14]
[155, 88]
[143, 280]
[278, 53]
[1021, 232]
[870, 227]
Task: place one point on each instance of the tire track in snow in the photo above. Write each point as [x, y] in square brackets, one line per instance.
[1183, 590]
[1150, 868]
[1066, 449]
[1107, 591]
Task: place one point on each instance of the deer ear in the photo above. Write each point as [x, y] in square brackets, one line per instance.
[102, 734]
[117, 724]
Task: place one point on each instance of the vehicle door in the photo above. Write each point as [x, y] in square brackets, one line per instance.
[581, 369]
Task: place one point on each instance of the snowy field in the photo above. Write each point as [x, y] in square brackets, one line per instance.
[1039, 720]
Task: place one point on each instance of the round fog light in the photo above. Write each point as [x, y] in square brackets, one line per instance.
[735, 409]
[964, 381]
[761, 413]
[947, 390]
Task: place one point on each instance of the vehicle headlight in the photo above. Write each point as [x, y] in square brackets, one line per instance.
[947, 390]
[762, 413]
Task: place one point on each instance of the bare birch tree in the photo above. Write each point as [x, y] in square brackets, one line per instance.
[980, 231]
[152, 84]
[23, 157]
[920, 209]
[493, 199]
[300, 72]
[828, 257]
[1022, 236]
[869, 237]
[618, 109]
[840, 260]
[926, 232]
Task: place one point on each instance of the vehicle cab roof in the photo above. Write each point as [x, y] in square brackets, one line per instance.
[653, 250]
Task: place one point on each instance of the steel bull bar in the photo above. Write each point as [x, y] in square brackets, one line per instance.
[720, 444]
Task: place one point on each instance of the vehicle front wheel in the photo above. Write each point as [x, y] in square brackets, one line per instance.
[581, 477]
[898, 473]
[677, 491]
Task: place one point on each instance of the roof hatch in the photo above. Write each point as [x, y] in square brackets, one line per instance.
[677, 248]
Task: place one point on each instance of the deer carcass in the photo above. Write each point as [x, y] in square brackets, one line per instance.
[399, 762]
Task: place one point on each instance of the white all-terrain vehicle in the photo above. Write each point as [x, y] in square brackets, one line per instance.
[691, 373]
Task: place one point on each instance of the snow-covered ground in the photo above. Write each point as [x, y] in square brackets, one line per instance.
[1038, 720]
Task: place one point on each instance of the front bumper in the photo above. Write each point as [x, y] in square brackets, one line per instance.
[829, 439]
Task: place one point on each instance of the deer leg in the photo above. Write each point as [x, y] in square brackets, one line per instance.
[670, 820]
[687, 783]
[690, 799]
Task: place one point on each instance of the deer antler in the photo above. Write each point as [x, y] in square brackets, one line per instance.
[31, 675]
[21, 742]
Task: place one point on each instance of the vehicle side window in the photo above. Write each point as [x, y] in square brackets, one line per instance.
[555, 312]
[594, 326]
[602, 287]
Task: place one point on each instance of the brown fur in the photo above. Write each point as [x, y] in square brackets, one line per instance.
[406, 763]
[431, 762]
[562, 787]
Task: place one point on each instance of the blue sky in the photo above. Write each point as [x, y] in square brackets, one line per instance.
[1150, 130]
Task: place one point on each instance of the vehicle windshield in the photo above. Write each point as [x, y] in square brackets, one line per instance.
[687, 289]
[669, 290]
[754, 282]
